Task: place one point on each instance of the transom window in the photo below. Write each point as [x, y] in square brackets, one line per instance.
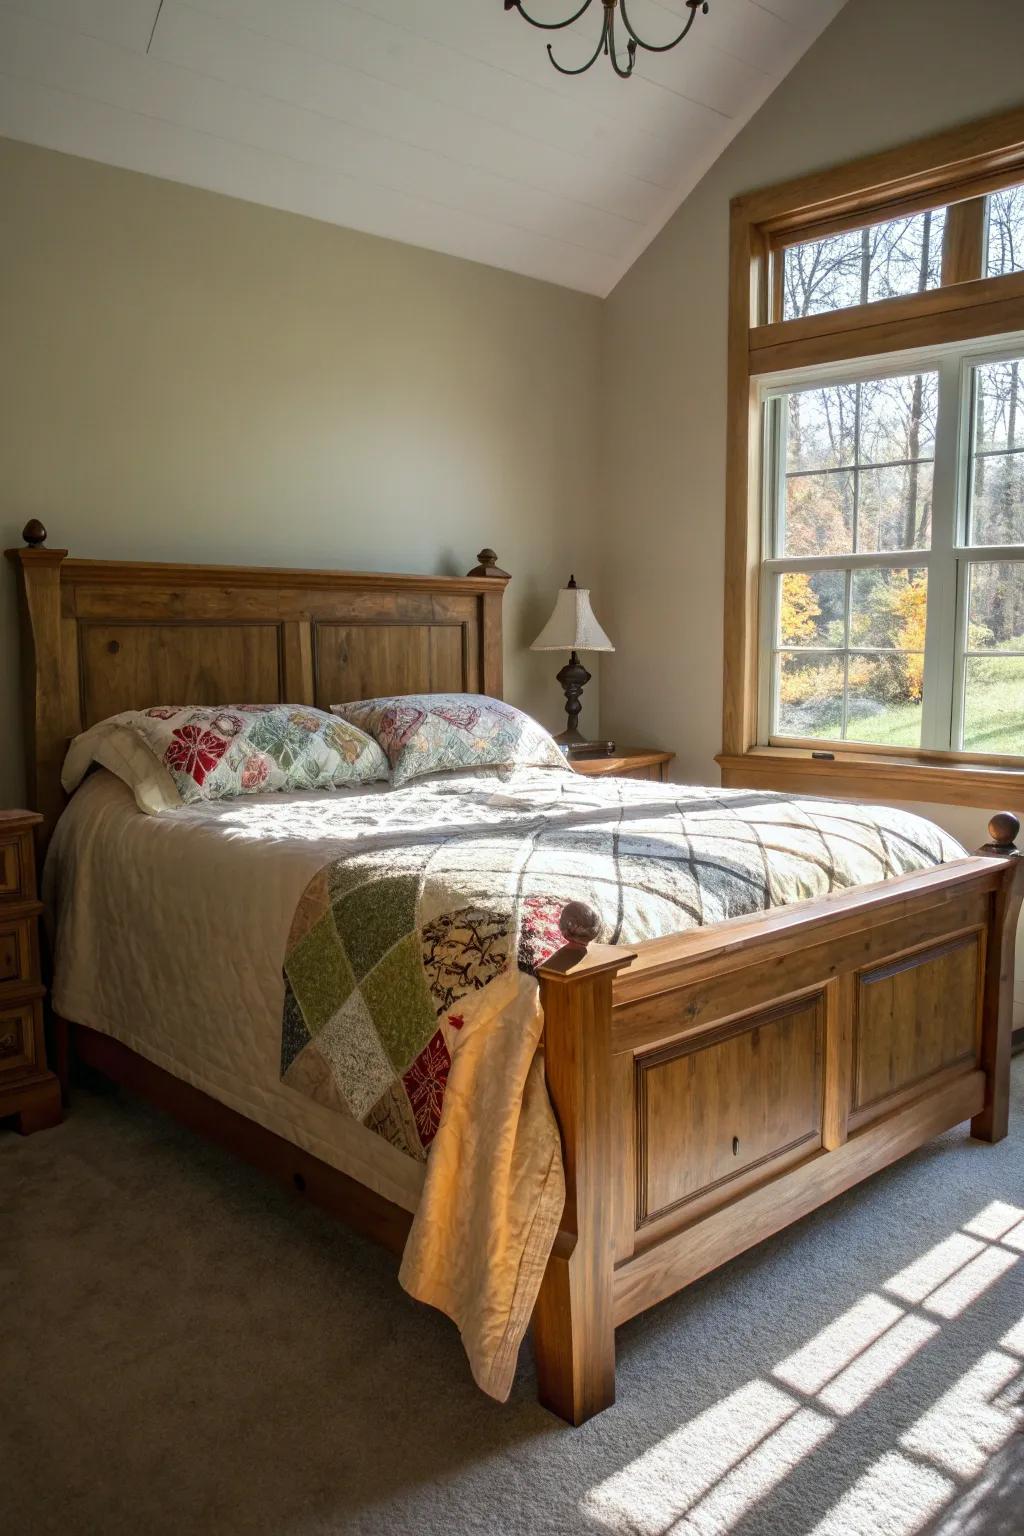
[892, 595]
[897, 256]
[861, 266]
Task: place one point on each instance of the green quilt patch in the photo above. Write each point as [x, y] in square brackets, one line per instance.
[399, 1003]
[374, 916]
[319, 973]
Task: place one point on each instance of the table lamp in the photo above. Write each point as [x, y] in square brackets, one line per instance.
[572, 627]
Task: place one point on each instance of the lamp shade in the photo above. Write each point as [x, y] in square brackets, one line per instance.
[572, 626]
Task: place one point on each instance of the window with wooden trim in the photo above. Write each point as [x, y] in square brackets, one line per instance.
[892, 586]
[875, 475]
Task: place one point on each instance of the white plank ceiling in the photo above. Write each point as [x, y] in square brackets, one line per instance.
[436, 122]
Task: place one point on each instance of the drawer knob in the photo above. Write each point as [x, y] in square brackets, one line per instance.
[735, 1146]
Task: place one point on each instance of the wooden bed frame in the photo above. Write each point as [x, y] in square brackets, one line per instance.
[711, 1087]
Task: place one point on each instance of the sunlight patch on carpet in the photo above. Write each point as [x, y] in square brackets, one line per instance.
[965, 1426]
[652, 1493]
[706, 1475]
[908, 1494]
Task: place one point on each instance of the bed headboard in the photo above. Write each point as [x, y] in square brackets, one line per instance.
[99, 636]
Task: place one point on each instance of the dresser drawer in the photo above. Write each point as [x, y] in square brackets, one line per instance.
[19, 1031]
[14, 877]
[17, 953]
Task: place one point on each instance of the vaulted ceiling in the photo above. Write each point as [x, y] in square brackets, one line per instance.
[437, 122]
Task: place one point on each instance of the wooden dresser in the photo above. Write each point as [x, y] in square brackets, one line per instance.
[28, 1091]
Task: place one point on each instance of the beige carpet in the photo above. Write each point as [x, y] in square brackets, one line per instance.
[184, 1349]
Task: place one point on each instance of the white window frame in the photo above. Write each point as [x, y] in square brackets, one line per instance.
[947, 562]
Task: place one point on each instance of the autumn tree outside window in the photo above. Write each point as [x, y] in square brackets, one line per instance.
[875, 580]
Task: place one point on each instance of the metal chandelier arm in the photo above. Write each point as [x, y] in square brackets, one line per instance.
[606, 41]
[623, 74]
[602, 44]
[637, 40]
[551, 26]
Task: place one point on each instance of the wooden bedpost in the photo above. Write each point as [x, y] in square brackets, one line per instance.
[46, 736]
[573, 1323]
[997, 1016]
[491, 654]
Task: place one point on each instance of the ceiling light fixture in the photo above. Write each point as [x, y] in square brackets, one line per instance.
[606, 42]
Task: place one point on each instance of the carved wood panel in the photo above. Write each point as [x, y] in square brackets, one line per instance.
[15, 951]
[10, 867]
[917, 1016]
[17, 1036]
[136, 665]
[724, 1106]
[364, 661]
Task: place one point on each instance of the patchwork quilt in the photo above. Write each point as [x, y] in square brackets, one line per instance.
[439, 914]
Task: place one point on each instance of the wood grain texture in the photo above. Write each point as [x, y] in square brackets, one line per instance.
[100, 636]
[992, 1123]
[916, 1015]
[944, 160]
[133, 666]
[747, 307]
[716, 1109]
[19, 948]
[766, 341]
[881, 776]
[625, 763]
[657, 1272]
[963, 241]
[573, 1330]
[28, 1090]
[988, 307]
[839, 1011]
[970, 188]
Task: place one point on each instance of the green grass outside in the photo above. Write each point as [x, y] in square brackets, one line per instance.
[994, 720]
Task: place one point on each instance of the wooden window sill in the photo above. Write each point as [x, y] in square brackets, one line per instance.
[867, 776]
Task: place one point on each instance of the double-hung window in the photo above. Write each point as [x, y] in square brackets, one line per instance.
[874, 585]
[892, 588]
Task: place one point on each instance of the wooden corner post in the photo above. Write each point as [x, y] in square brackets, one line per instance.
[997, 1007]
[38, 573]
[573, 1322]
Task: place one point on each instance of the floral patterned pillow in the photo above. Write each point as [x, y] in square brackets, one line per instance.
[433, 732]
[175, 755]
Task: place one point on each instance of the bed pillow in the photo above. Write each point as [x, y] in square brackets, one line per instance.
[437, 732]
[174, 755]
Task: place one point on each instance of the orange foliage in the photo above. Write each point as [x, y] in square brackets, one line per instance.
[799, 609]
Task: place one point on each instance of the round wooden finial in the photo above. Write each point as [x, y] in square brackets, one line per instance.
[1004, 829]
[579, 923]
[488, 565]
[34, 533]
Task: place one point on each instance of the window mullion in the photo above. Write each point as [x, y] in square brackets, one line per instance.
[773, 512]
[939, 659]
[846, 646]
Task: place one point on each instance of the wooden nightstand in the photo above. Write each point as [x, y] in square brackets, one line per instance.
[28, 1091]
[626, 763]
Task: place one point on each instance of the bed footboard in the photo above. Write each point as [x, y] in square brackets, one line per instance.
[715, 1086]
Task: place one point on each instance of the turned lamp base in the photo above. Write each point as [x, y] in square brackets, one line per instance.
[573, 678]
